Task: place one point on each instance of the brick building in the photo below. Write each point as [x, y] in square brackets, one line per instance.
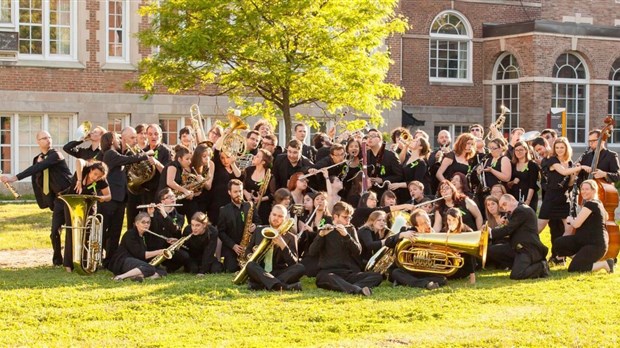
[459, 61]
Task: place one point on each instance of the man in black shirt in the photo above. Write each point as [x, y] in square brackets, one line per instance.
[336, 155]
[300, 134]
[382, 163]
[339, 252]
[607, 167]
[74, 149]
[51, 175]
[289, 163]
[231, 223]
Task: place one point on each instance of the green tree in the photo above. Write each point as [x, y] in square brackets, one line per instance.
[284, 53]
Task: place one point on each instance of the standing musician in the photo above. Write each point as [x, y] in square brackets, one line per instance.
[415, 167]
[280, 268]
[254, 179]
[515, 136]
[352, 178]
[130, 259]
[525, 172]
[588, 242]
[186, 138]
[607, 167]
[89, 179]
[525, 253]
[203, 165]
[322, 143]
[230, 226]
[384, 163]
[298, 186]
[114, 210]
[50, 177]
[202, 246]
[285, 165]
[225, 170]
[497, 168]
[143, 139]
[252, 139]
[307, 151]
[452, 199]
[270, 143]
[444, 140]
[339, 250]
[74, 149]
[458, 159]
[336, 155]
[263, 127]
[167, 222]
[175, 175]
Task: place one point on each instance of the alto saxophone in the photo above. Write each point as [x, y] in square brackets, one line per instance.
[169, 251]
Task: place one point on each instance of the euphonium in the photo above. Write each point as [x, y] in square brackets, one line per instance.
[258, 255]
[169, 251]
[86, 232]
[439, 253]
[383, 259]
[138, 173]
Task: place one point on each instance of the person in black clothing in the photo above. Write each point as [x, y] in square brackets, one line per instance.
[372, 235]
[202, 246]
[470, 213]
[525, 253]
[336, 155]
[455, 225]
[286, 164]
[89, 179]
[51, 175]
[588, 242]
[279, 269]
[270, 143]
[175, 175]
[129, 261]
[254, 180]
[383, 165]
[434, 160]
[300, 134]
[231, 223]
[322, 143]
[114, 210]
[457, 160]
[607, 168]
[525, 172]
[168, 222]
[339, 250]
[415, 167]
[368, 204]
[74, 149]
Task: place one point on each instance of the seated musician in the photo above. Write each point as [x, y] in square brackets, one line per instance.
[452, 199]
[525, 253]
[308, 229]
[202, 246]
[455, 225]
[589, 240]
[372, 234]
[167, 222]
[129, 260]
[339, 252]
[368, 204]
[280, 268]
[494, 215]
[89, 179]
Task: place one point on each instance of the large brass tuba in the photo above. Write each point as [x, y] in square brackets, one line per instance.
[258, 255]
[138, 173]
[86, 232]
[439, 253]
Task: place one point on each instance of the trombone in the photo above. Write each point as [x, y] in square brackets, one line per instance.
[197, 125]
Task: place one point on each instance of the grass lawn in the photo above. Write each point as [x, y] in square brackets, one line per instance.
[49, 307]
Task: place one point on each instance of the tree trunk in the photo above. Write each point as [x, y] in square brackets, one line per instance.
[286, 115]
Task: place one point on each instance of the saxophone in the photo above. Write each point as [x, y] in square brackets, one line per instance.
[245, 240]
[169, 251]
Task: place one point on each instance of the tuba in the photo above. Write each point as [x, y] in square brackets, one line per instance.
[86, 232]
[169, 251]
[439, 253]
[383, 259]
[259, 252]
[138, 173]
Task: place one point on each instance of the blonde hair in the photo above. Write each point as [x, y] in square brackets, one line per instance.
[569, 150]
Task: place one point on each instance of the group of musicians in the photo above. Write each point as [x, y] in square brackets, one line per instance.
[344, 194]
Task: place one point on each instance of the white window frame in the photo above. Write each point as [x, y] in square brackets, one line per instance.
[451, 127]
[45, 27]
[577, 82]
[614, 104]
[467, 39]
[514, 104]
[180, 120]
[125, 119]
[125, 35]
[45, 123]
[13, 13]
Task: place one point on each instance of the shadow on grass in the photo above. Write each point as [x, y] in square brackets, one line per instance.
[41, 219]
[220, 287]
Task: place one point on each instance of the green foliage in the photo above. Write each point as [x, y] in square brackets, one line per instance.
[287, 53]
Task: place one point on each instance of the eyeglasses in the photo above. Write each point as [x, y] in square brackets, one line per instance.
[267, 144]
[592, 140]
[520, 150]
[493, 148]
[144, 222]
[370, 136]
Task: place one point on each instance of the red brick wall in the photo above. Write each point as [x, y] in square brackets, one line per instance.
[603, 12]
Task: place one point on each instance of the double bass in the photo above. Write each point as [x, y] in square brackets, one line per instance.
[607, 194]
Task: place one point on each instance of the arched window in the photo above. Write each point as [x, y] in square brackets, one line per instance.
[614, 97]
[570, 91]
[450, 48]
[507, 91]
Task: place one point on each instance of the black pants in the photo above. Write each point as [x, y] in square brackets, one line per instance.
[585, 255]
[112, 212]
[556, 229]
[58, 219]
[525, 264]
[404, 277]
[132, 202]
[144, 267]
[312, 265]
[347, 281]
[259, 279]
[230, 260]
[179, 259]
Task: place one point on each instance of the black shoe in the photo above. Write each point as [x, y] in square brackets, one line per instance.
[366, 291]
[546, 272]
[610, 262]
[137, 278]
[57, 260]
[293, 287]
[432, 286]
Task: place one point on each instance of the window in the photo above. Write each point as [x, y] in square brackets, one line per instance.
[507, 91]
[450, 49]
[570, 91]
[614, 97]
[28, 126]
[117, 17]
[116, 122]
[5, 144]
[47, 29]
[454, 129]
[170, 127]
[6, 15]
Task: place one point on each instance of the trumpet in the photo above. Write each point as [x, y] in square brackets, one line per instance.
[11, 189]
[498, 124]
[83, 130]
[405, 138]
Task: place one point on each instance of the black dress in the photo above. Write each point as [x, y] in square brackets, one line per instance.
[528, 179]
[555, 202]
[416, 170]
[219, 189]
[254, 187]
[130, 254]
[455, 167]
[490, 179]
[467, 216]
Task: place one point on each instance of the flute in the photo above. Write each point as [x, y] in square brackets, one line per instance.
[319, 170]
[153, 205]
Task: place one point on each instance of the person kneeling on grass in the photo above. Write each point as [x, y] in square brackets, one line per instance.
[129, 260]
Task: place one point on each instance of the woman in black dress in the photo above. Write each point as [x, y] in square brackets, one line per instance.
[524, 183]
[225, 170]
[202, 163]
[497, 168]
[457, 160]
[589, 240]
[254, 180]
[201, 246]
[372, 234]
[415, 167]
[471, 215]
[174, 176]
[129, 260]
[455, 225]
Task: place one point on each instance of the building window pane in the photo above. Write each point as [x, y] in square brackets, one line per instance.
[45, 27]
[571, 95]
[170, 130]
[5, 11]
[30, 26]
[507, 92]
[614, 98]
[5, 144]
[116, 30]
[449, 48]
[28, 126]
[116, 122]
